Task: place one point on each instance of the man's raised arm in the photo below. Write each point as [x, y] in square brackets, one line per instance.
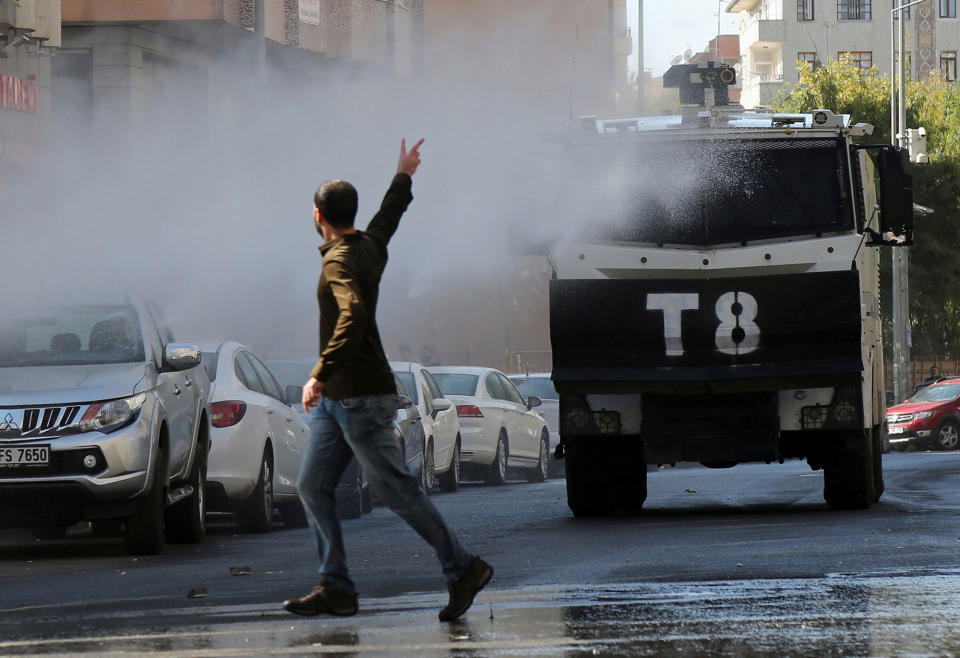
[398, 197]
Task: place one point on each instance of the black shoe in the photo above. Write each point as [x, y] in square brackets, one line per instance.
[464, 588]
[323, 599]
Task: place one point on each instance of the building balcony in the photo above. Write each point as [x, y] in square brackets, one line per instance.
[756, 32]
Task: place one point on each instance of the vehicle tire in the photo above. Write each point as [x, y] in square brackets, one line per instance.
[947, 436]
[49, 532]
[256, 512]
[605, 476]
[849, 473]
[350, 499]
[539, 472]
[143, 532]
[496, 473]
[428, 478]
[186, 520]
[450, 481]
[879, 439]
[293, 515]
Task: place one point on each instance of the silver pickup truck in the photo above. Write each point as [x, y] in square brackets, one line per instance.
[103, 418]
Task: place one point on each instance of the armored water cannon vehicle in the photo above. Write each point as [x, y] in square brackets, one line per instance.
[719, 301]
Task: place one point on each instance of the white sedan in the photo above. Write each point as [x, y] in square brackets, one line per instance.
[256, 440]
[498, 428]
[540, 385]
[440, 425]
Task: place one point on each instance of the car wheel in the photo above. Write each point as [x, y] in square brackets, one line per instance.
[497, 471]
[350, 501]
[186, 521]
[539, 472]
[293, 515]
[256, 512]
[948, 435]
[450, 481]
[143, 532]
[428, 478]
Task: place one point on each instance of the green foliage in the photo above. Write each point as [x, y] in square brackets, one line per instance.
[935, 258]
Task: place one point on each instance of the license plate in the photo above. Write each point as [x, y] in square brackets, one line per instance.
[895, 430]
[17, 456]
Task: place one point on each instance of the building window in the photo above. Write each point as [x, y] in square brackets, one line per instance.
[858, 10]
[948, 64]
[804, 10]
[862, 59]
[809, 58]
[905, 12]
[948, 8]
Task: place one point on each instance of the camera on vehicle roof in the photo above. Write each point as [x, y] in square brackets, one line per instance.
[694, 79]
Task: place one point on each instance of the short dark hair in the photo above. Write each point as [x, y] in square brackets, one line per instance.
[337, 202]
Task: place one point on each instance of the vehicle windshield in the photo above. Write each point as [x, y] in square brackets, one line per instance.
[708, 191]
[538, 386]
[72, 335]
[455, 383]
[409, 384]
[937, 393]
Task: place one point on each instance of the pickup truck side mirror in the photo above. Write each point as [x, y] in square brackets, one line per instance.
[181, 356]
[896, 196]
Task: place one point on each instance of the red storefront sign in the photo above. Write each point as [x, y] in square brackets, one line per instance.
[17, 94]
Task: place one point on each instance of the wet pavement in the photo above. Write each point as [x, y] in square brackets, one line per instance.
[745, 562]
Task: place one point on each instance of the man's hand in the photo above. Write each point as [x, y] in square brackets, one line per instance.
[312, 392]
[409, 161]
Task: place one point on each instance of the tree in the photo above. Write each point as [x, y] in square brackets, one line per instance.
[841, 86]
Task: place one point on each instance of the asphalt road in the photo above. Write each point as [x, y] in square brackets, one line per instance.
[745, 561]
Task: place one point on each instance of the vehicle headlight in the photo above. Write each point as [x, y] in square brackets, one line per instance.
[923, 414]
[112, 415]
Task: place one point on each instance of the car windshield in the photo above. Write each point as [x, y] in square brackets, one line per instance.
[937, 393]
[72, 335]
[541, 387]
[408, 383]
[709, 191]
[452, 383]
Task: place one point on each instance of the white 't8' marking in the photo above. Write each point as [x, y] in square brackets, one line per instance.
[673, 305]
[737, 333]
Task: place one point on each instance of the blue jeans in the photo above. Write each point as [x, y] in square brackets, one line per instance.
[363, 426]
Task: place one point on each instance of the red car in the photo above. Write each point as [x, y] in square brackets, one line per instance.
[931, 417]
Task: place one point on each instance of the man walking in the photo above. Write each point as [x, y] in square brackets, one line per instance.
[354, 397]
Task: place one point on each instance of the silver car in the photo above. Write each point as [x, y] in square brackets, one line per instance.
[540, 385]
[103, 418]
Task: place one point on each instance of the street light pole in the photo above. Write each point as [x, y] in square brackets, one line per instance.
[640, 89]
[901, 255]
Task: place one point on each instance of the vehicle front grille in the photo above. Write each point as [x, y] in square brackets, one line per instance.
[900, 418]
[20, 424]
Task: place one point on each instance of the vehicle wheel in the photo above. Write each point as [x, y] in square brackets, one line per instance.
[256, 512]
[350, 501]
[143, 532]
[497, 471]
[848, 474]
[49, 532]
[428, 478]
[186, 521]
[539, 472]
[450, 481]
[948, 435]
[604, 476]
[293, 515]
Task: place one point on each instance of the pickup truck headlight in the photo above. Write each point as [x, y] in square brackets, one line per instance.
[923, 414]
[112, 415]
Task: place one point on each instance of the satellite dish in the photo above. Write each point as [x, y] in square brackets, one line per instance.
[687, 54]
[676, 60]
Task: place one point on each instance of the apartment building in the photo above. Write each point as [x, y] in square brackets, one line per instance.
[775, 34]
[27, 31]
[557, 56]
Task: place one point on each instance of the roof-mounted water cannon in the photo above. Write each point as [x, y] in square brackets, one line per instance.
[693, 80]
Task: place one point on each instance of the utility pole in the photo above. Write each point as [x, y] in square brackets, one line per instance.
[900, 292]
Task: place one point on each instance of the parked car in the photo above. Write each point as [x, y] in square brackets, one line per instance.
[256, 440]
[540, 385]
[498, 427]
[354, 498]
[440, 425]
[408, 426]
[103, 418]
[930, 417]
